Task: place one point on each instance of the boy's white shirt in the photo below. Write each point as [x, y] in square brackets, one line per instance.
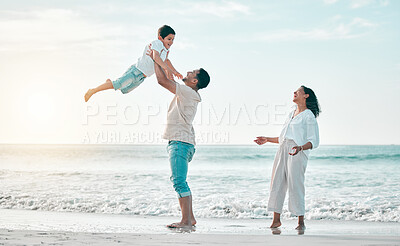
[145, 64]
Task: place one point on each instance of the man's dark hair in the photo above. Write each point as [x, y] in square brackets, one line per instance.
[203, 79]
[165, 31]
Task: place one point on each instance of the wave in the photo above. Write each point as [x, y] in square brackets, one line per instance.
[219, 208]
[365, 157]
[352, 158]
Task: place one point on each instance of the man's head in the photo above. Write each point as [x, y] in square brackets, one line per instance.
[197, 79]
[166, 35]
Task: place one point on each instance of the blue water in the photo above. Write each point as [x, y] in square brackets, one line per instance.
[342, 182]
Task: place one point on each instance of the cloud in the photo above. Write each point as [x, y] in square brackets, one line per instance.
[53, 29]
[355, 4]
[185, 44]
[223, 10]
[362, 3]
[220, 9]
[330, 1]
[384, 3]
[356, 28]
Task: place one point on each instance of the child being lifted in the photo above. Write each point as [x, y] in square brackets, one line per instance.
[144, 67]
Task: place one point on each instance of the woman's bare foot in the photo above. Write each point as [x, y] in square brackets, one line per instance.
[276, 231]
[88, 94]
[275, 224]
[301, 227]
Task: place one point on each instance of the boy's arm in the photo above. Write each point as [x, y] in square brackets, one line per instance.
[161, 77]
[157, 59]
[175, 72]
[163, 80]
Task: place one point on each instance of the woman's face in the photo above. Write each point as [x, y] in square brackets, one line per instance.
[299, 96]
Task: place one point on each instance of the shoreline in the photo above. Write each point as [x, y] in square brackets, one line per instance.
[14, 219]
[31, 227]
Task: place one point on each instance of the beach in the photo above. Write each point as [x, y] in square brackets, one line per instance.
[73, 238]
[23, 227]
[121, 194]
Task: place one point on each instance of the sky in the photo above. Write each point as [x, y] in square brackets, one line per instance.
[256, 52]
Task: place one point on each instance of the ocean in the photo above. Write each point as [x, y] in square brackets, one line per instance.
[342, 182]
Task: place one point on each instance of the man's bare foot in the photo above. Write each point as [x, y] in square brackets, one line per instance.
[88, 94]
[180, 224]
[275, 224]
[177, 225]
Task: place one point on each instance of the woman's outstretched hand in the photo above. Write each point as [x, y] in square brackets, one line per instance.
[261, 140]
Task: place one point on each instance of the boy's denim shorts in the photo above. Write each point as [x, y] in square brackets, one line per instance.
[180, 154]
[131, 79]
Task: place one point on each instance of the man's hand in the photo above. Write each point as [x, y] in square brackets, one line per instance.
[150, 52]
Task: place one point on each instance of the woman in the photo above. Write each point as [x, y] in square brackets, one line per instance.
[299, 135]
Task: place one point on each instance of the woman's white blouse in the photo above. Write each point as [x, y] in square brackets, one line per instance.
[302, 128]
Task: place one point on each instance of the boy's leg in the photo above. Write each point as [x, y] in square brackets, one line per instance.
[105, 86]
[131, 79]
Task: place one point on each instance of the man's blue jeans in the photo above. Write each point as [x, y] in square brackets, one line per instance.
[180, 154]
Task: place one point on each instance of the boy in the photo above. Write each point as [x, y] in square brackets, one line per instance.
[144, 67]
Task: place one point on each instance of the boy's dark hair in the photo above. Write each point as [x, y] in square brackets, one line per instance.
[203, 79]
[165, 31]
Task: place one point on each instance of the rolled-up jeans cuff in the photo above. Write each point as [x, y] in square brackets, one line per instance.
[184, 194]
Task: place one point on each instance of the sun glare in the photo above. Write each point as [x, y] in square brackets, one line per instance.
[40, 106]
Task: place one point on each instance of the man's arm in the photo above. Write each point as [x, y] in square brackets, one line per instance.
[157, 59]
[163, 80]
[175, 72]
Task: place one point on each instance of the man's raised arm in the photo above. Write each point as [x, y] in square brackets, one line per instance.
[163, 80]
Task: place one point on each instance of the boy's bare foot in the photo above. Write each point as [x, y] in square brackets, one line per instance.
[88, 94]
[275, 224]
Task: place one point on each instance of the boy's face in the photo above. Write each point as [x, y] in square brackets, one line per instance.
[168, 40]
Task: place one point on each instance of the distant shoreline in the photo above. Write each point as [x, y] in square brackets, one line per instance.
[128, 144]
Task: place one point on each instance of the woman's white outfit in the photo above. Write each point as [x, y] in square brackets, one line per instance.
[288, 171]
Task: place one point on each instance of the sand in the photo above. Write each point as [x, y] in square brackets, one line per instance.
[24, 227]
[28, 237]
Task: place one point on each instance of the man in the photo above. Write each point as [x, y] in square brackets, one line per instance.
[180, 134]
